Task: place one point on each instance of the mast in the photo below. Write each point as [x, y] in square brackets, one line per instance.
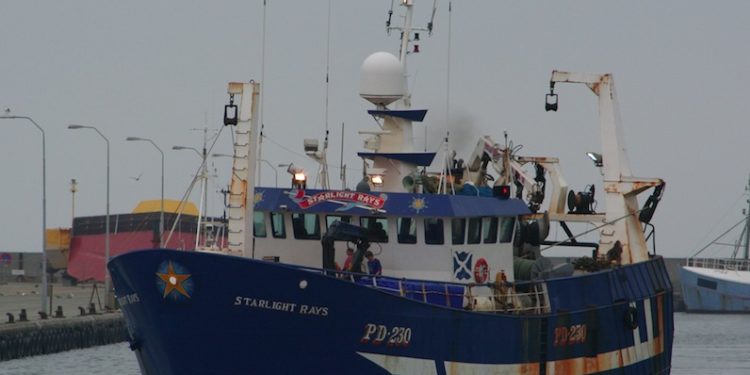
[262, 102]
[203, 208]
[384, 83]
[405, 33]
[242, 187]
[624, 230]
[342, 167]
[747, 223]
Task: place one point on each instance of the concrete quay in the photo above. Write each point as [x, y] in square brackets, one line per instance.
[16, 296]
[72, 324]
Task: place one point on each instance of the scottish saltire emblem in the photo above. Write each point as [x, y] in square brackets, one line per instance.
[173, 281]
[462, 265]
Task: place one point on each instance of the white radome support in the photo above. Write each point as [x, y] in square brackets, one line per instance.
[383, 82]
[620, 187]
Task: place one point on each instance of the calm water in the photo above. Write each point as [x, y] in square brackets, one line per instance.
[704, 344]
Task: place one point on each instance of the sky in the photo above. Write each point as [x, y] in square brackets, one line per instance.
[159, 70]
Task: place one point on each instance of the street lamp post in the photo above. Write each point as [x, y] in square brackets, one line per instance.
[275, 172]
[109, 296]
[161, 215]
[44, 208]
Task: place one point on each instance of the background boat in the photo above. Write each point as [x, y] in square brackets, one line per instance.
[721, 285]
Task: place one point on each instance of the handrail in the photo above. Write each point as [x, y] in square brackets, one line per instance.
[501, 297]
[724, 264]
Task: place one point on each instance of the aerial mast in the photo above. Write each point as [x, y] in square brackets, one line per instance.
[747, 223]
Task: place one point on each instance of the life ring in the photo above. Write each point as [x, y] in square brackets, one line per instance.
[481, 271]
[631, 317]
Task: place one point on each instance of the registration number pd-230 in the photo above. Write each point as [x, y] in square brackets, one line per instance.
[377, 334]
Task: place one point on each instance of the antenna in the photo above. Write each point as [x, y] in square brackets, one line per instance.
[747, 226]
[388, 21]
[446, 174]
[262, 97]
[407, 29]
[328, 65]
[448, 75]
[342, 166]
[432, 19]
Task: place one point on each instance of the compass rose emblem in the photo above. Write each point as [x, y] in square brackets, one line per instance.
[418, 204]
[173, 281]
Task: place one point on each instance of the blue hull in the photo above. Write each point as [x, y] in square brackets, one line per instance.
[704, 292]
[201, 313]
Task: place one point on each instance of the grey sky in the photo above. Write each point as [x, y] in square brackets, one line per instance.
[159, 69]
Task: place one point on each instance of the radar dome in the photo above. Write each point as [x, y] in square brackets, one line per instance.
[382, 81]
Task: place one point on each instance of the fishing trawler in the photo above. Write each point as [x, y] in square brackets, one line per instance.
[720, 285]
[464, 287]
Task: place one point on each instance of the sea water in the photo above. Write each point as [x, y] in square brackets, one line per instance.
[703, 344]
[711, 344]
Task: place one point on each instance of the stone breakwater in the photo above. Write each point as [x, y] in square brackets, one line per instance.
[23, 339]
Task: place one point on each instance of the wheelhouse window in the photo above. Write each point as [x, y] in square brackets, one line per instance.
[330, 219]
[475, 230]
[259, 224]
[407, 230]
[506, 229]
[458, 231]
[376, 228]
[305, 226]
[489, 225]
[277, 225]
[433, 231]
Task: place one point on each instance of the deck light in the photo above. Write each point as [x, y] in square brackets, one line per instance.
[230, 111]
[596, 158]
[501, 191]
[299, 178]
[375, 176]
[550, 100]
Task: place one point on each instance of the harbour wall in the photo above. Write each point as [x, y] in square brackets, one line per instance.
[24, 339]
[73, 319]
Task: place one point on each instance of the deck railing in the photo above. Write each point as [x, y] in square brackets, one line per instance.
[728, 264]
[500, 297]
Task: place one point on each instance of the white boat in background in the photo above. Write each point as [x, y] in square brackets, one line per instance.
[720, 284]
